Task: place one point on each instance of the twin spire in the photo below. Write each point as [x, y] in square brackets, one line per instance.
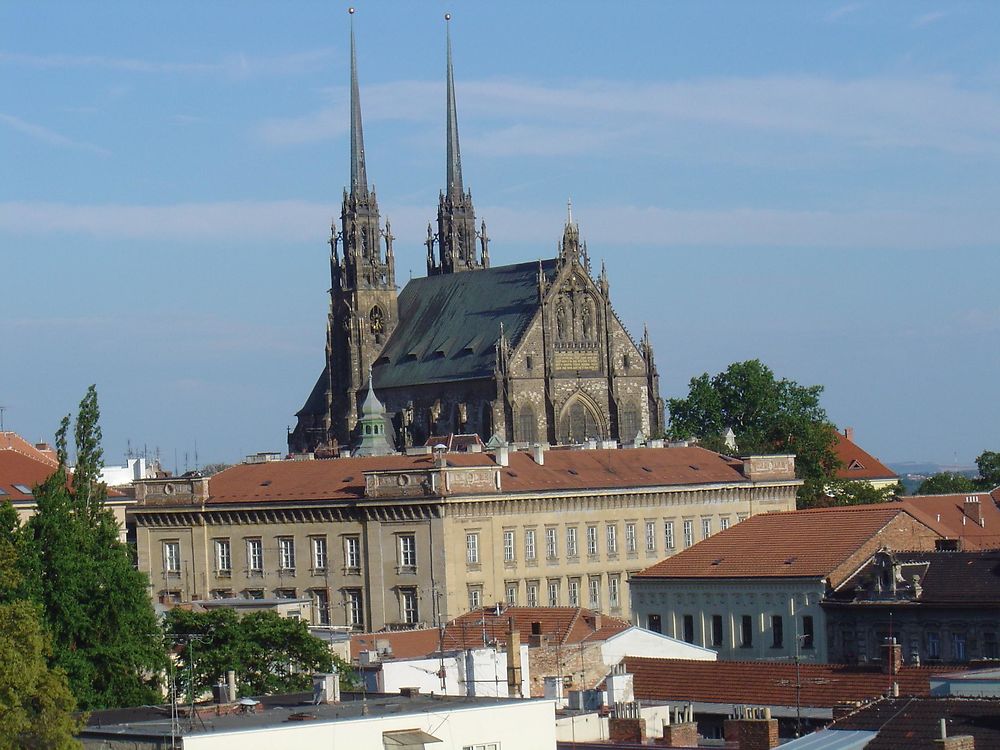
[457, 236]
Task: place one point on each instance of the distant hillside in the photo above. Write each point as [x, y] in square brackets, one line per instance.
[912, 473]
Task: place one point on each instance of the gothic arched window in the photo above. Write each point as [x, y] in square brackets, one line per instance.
[579, 423]
[628, 423]
[527, 425]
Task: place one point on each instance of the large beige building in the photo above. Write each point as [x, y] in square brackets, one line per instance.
[396, 541]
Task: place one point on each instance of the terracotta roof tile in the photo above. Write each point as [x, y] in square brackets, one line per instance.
[914, 724]
[807, 543]
[858, 463]
[562, 470]
[769, 683]
[946, 514]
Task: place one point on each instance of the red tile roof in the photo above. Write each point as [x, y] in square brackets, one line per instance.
[908, 724]
[946, 514]
[801, 543]
[561, 625]
[856, 463]
[769, 683]
[23, 463]
[565, 470]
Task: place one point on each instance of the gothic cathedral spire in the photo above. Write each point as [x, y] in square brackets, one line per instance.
[456, 219]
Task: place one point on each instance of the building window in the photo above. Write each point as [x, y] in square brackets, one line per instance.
[741, 517]
[172, 558]
[933, 646]
[319, 553]
[472, 549]
[807, 631]
[706, 528]
[255, 556]
[508, 546]
[777, 632]
[286, 553]
[223, 557]
[654, 623]
[408, 552]
[630, 542]
[512, 592]
[475, 597]
[352, 553]
[688, 533]
[724, 523]
[321, 606]
[574, 592]
[592, 540]
[532, 589]
[746, 631]
[483, 746]
[629, 419]
[614, 592]
[668, 534]
[612, 534]
[354, 602]
[958, 647]
[554, 593]
[527, 425]
[595, 592]
[688, 628]
[221, 594]
[571, 549]
[717, 630]
[529, 544]
[551, 545]
[285, 593]
[650, 536]
[253, 593]
[990, 650]
[408, 605]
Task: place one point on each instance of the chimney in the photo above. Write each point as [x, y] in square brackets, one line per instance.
[593, 619]
[751, 728]
[958, 742]
[974, 509]
[849, 433]
[538, 453]
[683, 731]
[231, 682]
[514, 661]
[892, 657]
[503, 455]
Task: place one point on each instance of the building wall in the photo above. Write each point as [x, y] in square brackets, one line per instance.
[479, 672]
[489, 519]
[792, 599]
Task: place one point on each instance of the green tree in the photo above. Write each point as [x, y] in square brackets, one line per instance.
[946, 483]
[37, 709]
[94, 602]
[269, 653]
[849, 492]
[767, 415]
[988, 463]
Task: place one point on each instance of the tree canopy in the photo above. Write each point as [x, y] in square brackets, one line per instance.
[269, 653]
[988, 463]
[953, 483]
[767, 415]
[94, 603]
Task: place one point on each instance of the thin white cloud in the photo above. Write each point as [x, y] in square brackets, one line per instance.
[47, 135]
[844, 10]
[235, 65]
[933, 113]
[256, 222]
[929, 18]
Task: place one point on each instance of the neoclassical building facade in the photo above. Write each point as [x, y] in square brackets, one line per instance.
[401, 540]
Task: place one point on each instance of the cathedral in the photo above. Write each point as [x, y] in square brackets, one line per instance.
[524, 353]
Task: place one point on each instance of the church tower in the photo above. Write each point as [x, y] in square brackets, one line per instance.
[363, 307]
[456, 219]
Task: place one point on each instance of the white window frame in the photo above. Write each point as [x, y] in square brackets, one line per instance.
[475, 597]
[668, 534]
[531, 593]
[529, 544]
[408, 551]
[352, 552]
[286, 552]
[723, 523]
[355, 601]
[614, 592]
[223, 556]
[320, 553]
[592, 541]
[573, 592]
[553, 587]
[408, 608]
[472, 548]
[650, 536]
[594, 592]
[172, 557]
[321, 606]
[688, 532]
[631, 545]
[509, 541]
[571, 542]
[551, 543]
[706, 528]
[512, 591]
[255, 555]
[611, 532]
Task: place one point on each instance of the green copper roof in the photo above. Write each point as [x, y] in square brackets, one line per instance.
[450, 323]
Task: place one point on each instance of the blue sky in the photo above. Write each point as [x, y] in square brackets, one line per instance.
[814, 184]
